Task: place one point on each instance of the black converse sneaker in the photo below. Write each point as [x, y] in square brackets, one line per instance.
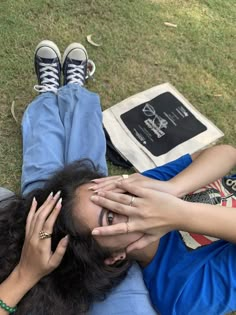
[47, 60]
[75, 62]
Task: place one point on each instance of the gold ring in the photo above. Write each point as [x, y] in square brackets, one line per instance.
[131, 201]
[125, 176]
[43, 235]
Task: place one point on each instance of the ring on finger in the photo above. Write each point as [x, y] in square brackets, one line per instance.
[43, 235]
[131, 201]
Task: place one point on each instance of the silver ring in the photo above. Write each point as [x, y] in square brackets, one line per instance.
[43, 235]
[131, 201]
[124, 176]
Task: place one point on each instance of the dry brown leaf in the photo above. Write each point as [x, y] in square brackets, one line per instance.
[13, 111]
[170, 24]
[89, 39]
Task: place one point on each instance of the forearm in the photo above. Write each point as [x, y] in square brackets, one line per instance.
[209, 166]
[13, 289]
[208, 219]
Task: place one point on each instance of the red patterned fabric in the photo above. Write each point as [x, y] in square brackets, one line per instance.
[222, 193]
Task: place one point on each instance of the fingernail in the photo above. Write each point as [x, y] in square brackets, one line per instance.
[95, 232]
[34, 200]
[50, 195]
[59, 202]
[65, 241]
[92, 187]
[93, 181]
[94, 198]
[101, 193]
[57, 195]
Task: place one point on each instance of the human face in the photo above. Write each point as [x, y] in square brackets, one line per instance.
[93, 216]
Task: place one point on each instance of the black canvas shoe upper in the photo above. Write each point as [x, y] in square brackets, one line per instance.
[48, 68]
[75, 63]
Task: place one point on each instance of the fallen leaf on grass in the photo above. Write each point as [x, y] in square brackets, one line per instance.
[170, 24]
[89, 39]
[13, 111]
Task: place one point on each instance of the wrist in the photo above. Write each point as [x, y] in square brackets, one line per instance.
[26, 280]
[166, 187]
[197, 218]
[14, 287]
[176, 188]
[179, 216]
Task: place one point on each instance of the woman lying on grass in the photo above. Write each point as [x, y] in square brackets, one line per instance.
[50, 263]
[185, 273]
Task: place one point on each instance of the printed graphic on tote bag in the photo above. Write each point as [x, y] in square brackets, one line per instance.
[162, 123]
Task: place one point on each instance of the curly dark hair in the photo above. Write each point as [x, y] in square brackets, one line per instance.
[82, 276]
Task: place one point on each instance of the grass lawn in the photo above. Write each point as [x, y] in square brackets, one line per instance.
[138, 51]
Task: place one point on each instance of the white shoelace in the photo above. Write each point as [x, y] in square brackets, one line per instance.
[76, 74]
[49, 78]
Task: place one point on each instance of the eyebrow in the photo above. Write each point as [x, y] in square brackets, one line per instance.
[101, 215]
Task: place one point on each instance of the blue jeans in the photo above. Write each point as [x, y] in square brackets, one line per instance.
[59, 129]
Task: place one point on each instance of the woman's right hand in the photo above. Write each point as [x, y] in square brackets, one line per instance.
[37, 259]
[110, 184]
[151, 212]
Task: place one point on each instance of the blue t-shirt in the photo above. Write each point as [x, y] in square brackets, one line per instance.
[190, 282]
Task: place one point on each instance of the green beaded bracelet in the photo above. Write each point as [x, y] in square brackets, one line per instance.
[7, 308]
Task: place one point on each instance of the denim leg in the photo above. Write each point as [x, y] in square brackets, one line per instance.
[59, 129]
[43, 141]
[81, 115]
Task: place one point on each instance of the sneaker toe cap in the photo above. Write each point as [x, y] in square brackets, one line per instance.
[78, 54]
[46, 53]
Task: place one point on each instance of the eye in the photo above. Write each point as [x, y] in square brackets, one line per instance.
[110, 217]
